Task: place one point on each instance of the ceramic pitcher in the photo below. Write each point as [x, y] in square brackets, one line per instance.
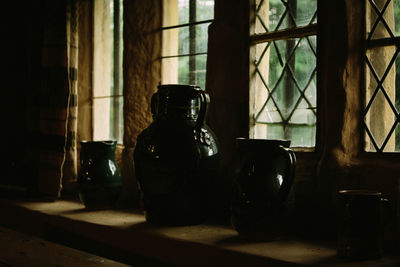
[176, 156]
[263, 194]
[99, 176]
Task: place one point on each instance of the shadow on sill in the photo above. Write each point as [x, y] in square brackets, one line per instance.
[73, 240]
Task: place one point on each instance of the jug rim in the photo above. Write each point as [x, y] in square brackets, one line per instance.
[170, 91]
[179, 86]
[103, 142]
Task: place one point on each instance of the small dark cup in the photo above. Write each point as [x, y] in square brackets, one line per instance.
[361, 216]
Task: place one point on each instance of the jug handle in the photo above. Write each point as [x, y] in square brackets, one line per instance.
[204, 100]
[287, 183]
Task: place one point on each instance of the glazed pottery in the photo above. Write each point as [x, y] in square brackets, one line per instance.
[263, 196]
[361, 217]
[99, 177]
[176, 157]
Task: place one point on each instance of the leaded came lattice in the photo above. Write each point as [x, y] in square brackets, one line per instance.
[382, 96]
[285, 70]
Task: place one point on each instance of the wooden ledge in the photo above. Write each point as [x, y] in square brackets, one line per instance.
[125, 236]
[18, 249]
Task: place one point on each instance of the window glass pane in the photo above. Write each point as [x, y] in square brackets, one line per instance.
[390, 24]
[169, 68]
[177, 11]
[183, 70]
[103, 47]
[172, 15]
[101, 118]
[204, 10]
[275, 15]
[285, 85]
[201, 63]
[179, 70]
[176, 41]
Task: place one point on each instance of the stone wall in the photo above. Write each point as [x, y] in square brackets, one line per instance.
[142, 74]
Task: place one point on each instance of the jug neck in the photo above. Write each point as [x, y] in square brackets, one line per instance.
[98, 149]
[176, 103]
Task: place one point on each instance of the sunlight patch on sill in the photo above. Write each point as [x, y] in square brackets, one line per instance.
[76, 211]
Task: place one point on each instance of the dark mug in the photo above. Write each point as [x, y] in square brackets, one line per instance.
[263, 196]
[361, 216]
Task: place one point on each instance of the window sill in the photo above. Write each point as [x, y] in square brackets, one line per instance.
[124, 236]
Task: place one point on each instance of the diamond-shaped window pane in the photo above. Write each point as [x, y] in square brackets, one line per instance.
[311, 92]
[286, 93]
[305, 61]
[270, 113]
[303, 115]
[381, 62]
[380, 121]
[275, 15]
[383, 18]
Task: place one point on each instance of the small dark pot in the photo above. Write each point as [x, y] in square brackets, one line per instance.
[176, 157]
[99, 177]
[362, 216]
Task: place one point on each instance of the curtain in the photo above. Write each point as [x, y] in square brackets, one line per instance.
[58, 97]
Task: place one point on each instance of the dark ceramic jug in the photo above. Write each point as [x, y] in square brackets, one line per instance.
[99, 177]
[263, 196]
[176, 156]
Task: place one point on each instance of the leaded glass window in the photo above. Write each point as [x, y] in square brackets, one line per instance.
[283, 97]
[381, 117]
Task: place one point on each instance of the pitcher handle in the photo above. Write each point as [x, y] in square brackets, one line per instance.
[288, 179]
[204, 100]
